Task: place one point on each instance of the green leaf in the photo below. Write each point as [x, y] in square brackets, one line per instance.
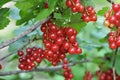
[103, 11]
[76, 18]
[78, 72]
[58, 77]
[2, 79]
[76, 26]
[24, 19]
[117, 64]
[58, 16]
[18, 44]
[97, 60]
[13, 58]
[46, 12]
[26, 11]
[3, 11]
[24, 5]
[88, 2]
[92, 67]
[75, 57]
[4, 22]
[12, 77]
[43, 14]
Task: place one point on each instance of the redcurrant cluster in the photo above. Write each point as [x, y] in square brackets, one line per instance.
[107, 75]
[88, 13]
[113, 16]
[114, 39]
[0, 66]
[75, 5]
[28, 61]
[87, 76]
[58, 42]
[67, 71]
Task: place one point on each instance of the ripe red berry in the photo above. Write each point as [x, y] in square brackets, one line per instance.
[86, 19]
[74, 9]
[111, 39]
[72, 38]
[70, 31]
[28, 50]
[69, 3]
[72, 50]
[78, 50]
[21, 66]
[55, 48]
[116, 7]
[20, 53]
[93, 18]
[46, 5]
[112, 19]
[66, 45]
[113, 45]
[81, 8]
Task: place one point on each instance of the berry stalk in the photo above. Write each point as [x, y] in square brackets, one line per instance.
[113, 65]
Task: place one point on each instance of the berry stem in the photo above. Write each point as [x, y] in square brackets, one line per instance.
[110, 1]
[113, 65]
[72, 2]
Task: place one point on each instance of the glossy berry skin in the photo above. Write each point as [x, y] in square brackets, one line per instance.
[81, 8]
[112, 19]
[69, 3]
[116, 7]
[113, 46]
[20, 53]
[66, 45]
[72, 50]
[111, 39]
[78, 50]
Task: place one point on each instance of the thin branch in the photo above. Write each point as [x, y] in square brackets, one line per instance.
[10, 54]
[110, 1]
[113, 65]
[47, 69]
[114, 57]
[4, 44]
